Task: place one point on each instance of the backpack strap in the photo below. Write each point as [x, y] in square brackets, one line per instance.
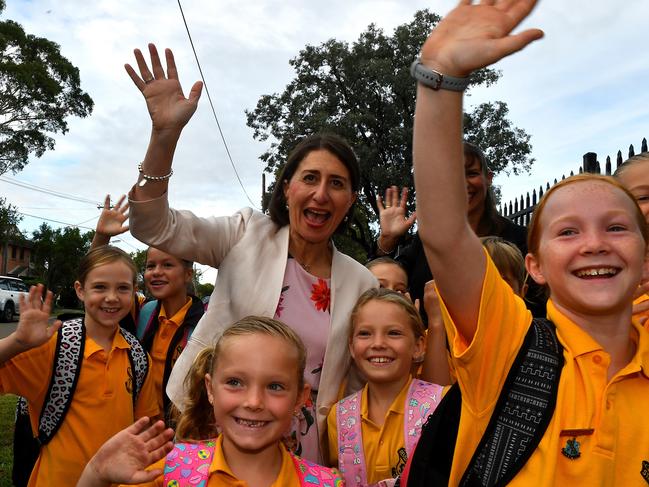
[351, 458]
[68, 357]
[189, 464]
[145, 318]
[312, 474]
[524, 409]
[422, 399]
[531, 383]
[139, 363]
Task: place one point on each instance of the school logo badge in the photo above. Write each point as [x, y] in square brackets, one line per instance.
[571, 450]
[129, 382]
[645, 470]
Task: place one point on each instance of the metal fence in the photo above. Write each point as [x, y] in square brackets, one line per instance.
[520, 209]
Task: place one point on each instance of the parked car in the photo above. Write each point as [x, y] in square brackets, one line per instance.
[10, 290]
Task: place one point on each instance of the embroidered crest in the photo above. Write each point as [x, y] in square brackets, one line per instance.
[645, 470]
[571, 450]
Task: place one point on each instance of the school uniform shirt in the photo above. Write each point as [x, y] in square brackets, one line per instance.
[101, 406]
[221, 475]
[615, 453]
[161, 342]
[383, 446]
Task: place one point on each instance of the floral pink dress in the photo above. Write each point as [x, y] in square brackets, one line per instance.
[304, 306]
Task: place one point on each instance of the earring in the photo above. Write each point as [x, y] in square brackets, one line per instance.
[418, 359]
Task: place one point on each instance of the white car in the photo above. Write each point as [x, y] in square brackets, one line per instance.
[10, 290]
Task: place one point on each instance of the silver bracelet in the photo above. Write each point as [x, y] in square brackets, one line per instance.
[146, 177]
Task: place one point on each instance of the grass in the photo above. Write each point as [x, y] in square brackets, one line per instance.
[7, 415]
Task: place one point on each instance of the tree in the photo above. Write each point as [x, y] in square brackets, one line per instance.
[39, 88]
[56, 255]
[9, 220]
[364, 93]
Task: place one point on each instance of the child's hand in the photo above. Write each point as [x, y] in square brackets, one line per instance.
[431, 305]
[111, 221]
[33, 327]
[643, 306]
[124, 457]
[474, 36]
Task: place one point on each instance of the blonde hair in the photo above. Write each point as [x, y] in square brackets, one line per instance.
[197, 421]
[631, 161]
[507, 257]
[99, 256]
[388, 296]
[534, 231]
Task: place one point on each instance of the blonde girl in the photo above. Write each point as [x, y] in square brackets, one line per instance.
[371, 432]
[587, 243]
[242, 394]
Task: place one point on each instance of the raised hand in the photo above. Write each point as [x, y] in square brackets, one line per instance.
[111, 221]
[33, 327]
[125, 456]
[168, 107]
[473, 36]
[392, 217]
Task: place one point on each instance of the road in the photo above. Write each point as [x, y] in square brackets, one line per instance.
[7, 328]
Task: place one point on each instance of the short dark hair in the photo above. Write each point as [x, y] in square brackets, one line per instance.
[325, 141]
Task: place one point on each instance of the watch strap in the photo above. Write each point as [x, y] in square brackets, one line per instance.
[435, 80]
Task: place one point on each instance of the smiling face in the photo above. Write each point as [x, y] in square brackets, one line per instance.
[165, 275]
[254, 390]
[590, 250]
[636, 179]
[107, 293]
[319, 195]
[477, 184]
[383, 344]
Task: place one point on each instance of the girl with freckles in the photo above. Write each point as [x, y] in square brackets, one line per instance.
[586, 243]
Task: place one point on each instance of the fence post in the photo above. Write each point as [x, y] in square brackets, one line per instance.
[590, 162]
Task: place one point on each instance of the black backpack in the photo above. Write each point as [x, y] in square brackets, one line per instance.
[66, 370]
[510, 438]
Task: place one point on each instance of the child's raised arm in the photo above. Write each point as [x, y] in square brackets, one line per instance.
[33, 327]
[111, 222]
[125, 456]
[435, 367]
[468, 38]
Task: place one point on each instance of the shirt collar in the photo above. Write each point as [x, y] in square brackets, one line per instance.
[118, 342]
[396, 407]
[179, 316]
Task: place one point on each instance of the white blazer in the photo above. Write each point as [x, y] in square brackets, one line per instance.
[250, 253]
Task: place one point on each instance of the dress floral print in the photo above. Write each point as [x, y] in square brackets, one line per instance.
[304, 305]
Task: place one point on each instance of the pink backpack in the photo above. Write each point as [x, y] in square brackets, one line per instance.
[188, 465]
[421, 401]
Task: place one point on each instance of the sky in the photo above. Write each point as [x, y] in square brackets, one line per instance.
[580, 89]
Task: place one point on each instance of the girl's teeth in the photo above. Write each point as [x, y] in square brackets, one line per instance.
[251, 424]
[380, 360]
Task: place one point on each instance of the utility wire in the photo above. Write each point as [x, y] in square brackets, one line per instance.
[209, 98]
[50, 192]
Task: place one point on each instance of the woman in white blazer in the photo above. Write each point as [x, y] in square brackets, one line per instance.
[255, 253]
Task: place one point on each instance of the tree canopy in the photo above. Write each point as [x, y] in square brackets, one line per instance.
[39, 88]
[364, 93]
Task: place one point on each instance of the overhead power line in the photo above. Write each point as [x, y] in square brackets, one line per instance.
[209, 99]
[50, 192]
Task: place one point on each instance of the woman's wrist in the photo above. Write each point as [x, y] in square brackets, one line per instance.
[386, 245]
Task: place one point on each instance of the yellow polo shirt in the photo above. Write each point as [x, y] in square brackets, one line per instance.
[222, 476]
[102, 404]
[161, 341]
[383, 446]
[616, 453]
[644, 314]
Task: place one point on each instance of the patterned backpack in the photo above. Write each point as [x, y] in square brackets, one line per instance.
[188, 464]
[68, 357]
[421, 401]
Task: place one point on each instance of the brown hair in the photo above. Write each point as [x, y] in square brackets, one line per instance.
[197, 421]
[507, 257]
[105, 254]
[534, 232]
[329, 142]
[388, 296]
